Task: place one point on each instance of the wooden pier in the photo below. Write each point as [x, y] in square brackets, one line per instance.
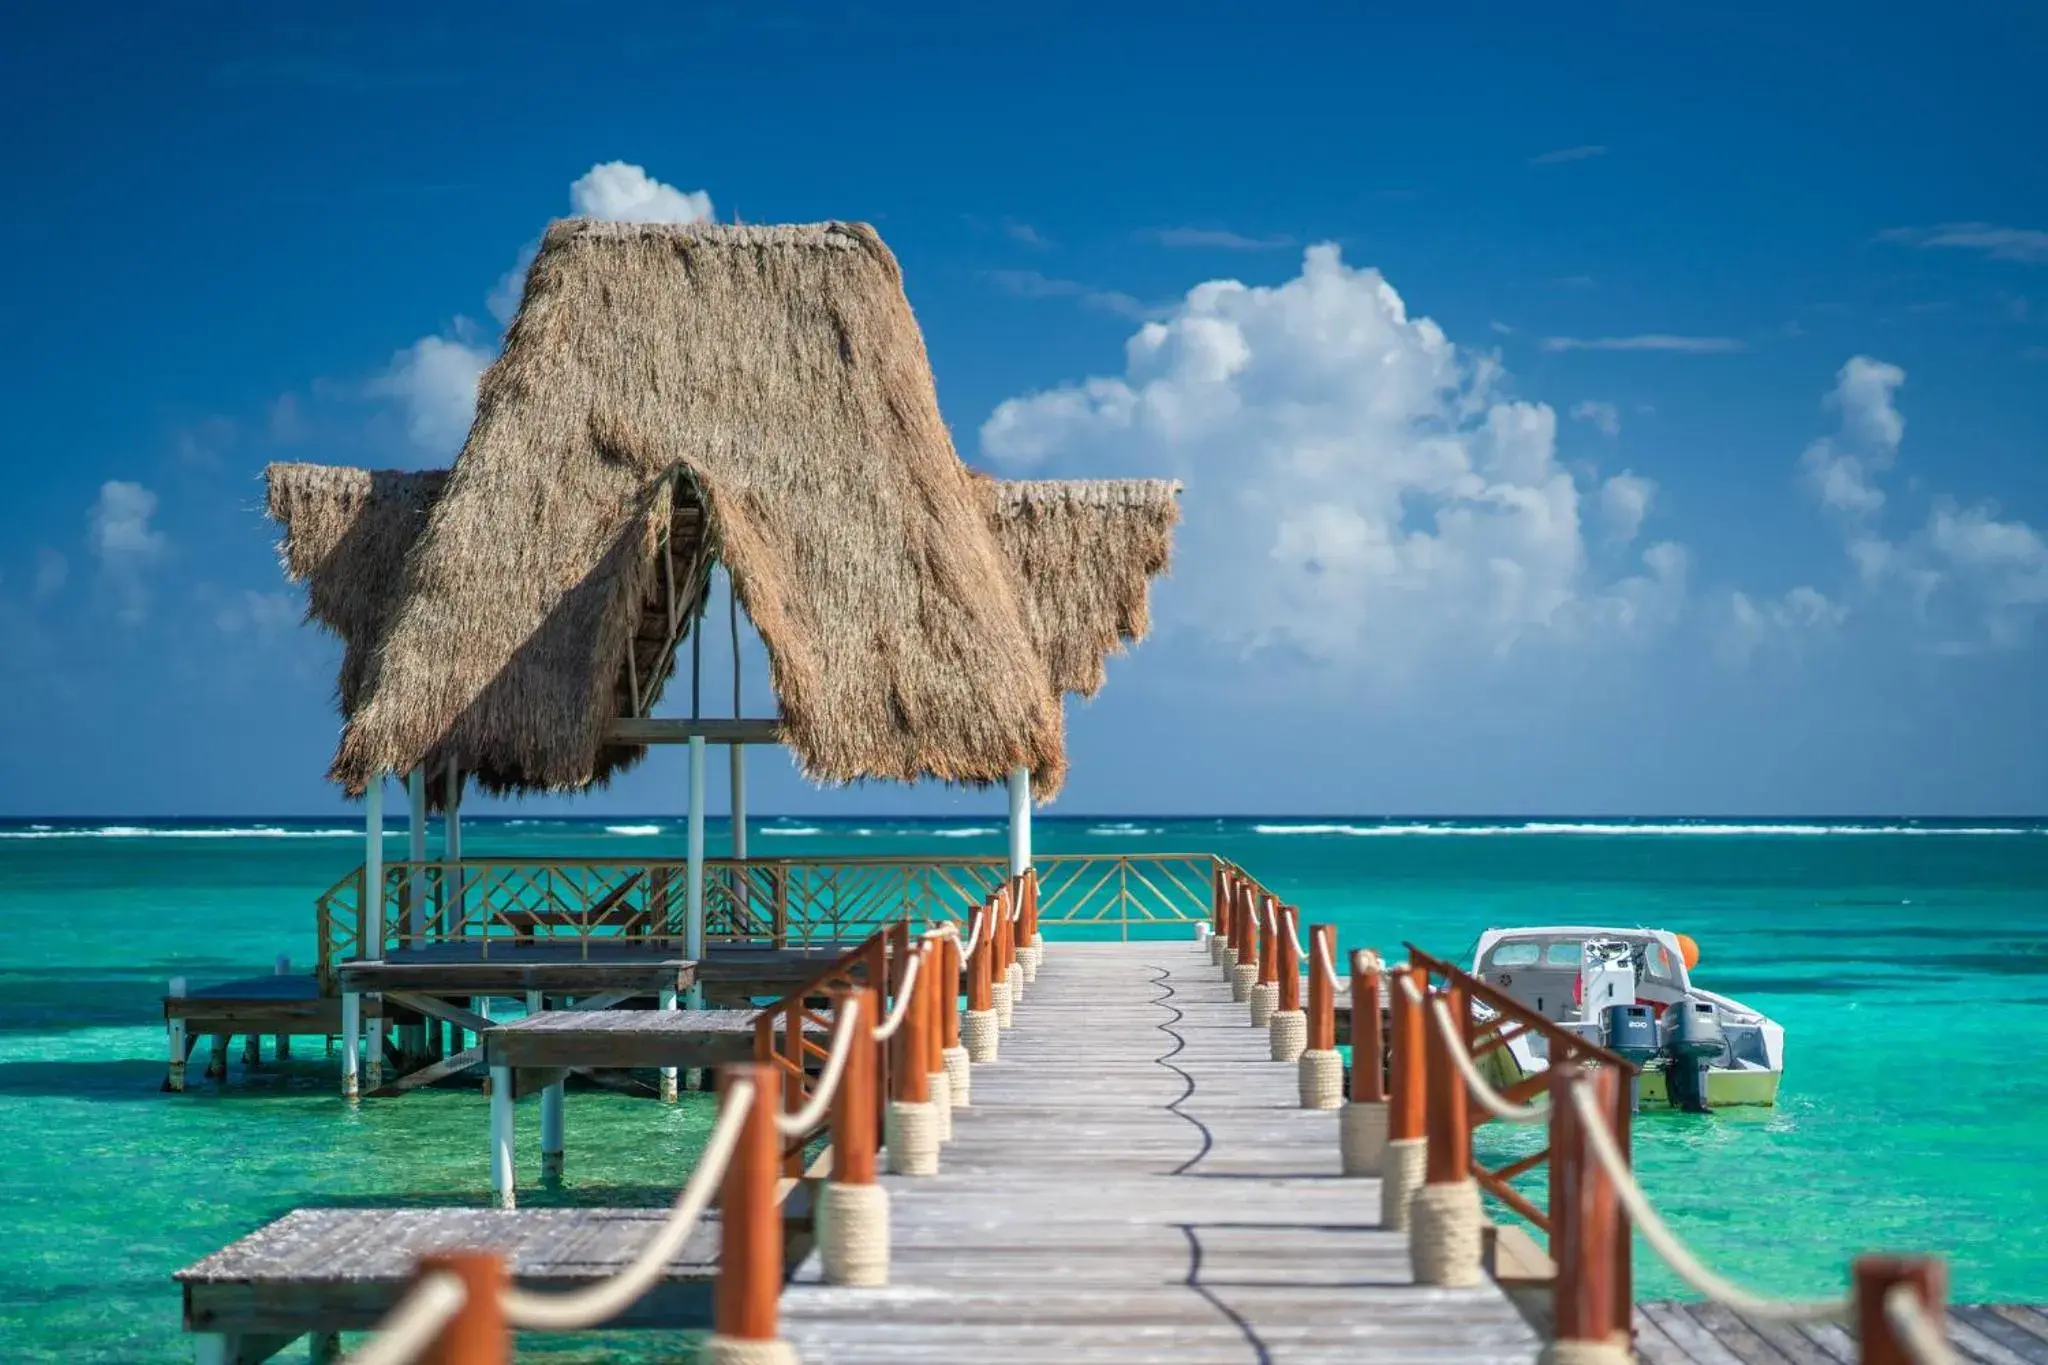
[1137, 1182]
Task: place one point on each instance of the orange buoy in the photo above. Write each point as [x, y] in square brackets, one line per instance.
[1688, 950]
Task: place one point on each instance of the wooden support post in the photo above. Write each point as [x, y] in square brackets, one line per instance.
[1405, 1109]
[907, 1056]
[1289, 963]
[371, 943]
[750, 1242]
[693, 927]
[1322, 996]
[1583, 1210]
[979, 977]
[552, 1135]
[1874, 1278]
[1269, 936]
[502, 1171]
[1368, 1044]
[478, 1333]
[416, 854]
[1621, 1251]
[1448, 1119]
[174, 1040]
[854, 1117]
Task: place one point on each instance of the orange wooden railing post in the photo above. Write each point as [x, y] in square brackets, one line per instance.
[1368, 1042]
[1874, 1278]
[1290, 961]
[1621, 1246]
[1265, 993]
[1445, 1223]
[906, 1061]
[913, 1121]
[853, 1109]
[1245, 974]
[1402, 1162]
[949, 973]
[478, 1333]
[750, 1237]
[1583, 1213]
[1322, 996]
[980, 1031]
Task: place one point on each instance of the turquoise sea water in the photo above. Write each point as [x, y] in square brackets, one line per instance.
[1908, 962]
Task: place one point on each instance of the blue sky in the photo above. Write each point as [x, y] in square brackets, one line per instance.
[1614, 410]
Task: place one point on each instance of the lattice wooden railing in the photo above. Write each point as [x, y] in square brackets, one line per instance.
[584, 902]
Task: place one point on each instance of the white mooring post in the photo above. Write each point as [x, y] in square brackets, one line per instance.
[416, 851]
[174, 1030]
[351, 1042]
[453, 892]
[669, 1076]
[693, 931]
[372, 945]
[1020, 821]
[501, 1135]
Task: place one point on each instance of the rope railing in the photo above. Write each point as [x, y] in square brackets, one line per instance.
[812, 1114]
[1673, 1252]
[1491, 1100]
[580, 1308]
[1914, 1329]
[1293, 930]
[1328, 969]
[905, 990]
[411, 1326]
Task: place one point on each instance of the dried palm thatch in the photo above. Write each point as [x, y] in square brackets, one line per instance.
[1086, 551]
[778, 373]
[347, 532]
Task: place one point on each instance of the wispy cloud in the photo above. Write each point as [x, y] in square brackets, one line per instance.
[2026, 245]
[1649, 341]
[1212, 239]
[1605, 417]
[1564, 154]
[1031, 284]
[1026, 235]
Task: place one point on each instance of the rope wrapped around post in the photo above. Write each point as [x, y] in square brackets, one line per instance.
[1244, 965]
[1032, 954]
[1013, 968]
[980, 1031]
[1320, 1072]
[1445, 1222]
[959, 1074]
[936, 1004]
[1407, 1144]
[1362, 1125]
[911, 1128]
[853, 1208]
[1264, 995]
[1287, 1030]
[1004, 1002]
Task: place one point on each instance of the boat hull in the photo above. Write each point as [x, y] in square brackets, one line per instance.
[1748, 1087]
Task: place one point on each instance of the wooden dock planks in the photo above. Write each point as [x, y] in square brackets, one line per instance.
[1135, 1182]
[1674, 1333]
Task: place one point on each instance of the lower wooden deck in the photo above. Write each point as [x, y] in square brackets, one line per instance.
[1135, 1182]
[1672, 1333]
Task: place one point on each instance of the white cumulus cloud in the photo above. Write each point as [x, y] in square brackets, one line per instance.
[434, 380]
[1359, 490]
[1624, 501]
[120, 536]
[620, 192]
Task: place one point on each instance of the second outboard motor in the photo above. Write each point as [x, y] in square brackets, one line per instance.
[1693, 1040]
[1631, 1032]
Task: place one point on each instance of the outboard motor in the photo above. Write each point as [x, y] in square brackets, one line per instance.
[1630, 1032]
[1692, 1040]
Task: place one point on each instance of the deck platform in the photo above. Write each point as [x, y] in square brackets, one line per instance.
[325, 1271]
[1134, 1182]
[1671, 1333]
[563, 1039]
[481, 968]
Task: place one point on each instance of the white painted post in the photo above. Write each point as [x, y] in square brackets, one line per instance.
[351, 1041]
[551, 1131]
[452, 886]
[739, 801]
[669, 1088]
[1020, 821]
[501, 1135]
[372, 946]
[416, 850]
[284, 1040]
[175, 1031]
[693, 931]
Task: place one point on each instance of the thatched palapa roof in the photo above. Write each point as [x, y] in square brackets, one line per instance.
[760, 394]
